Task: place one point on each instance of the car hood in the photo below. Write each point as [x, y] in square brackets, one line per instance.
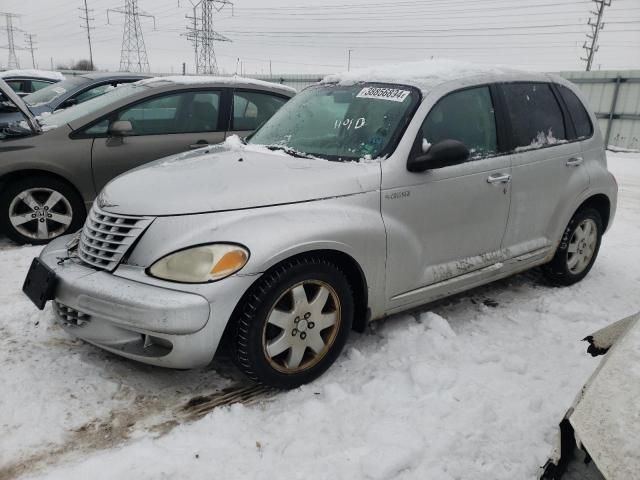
[222, 178]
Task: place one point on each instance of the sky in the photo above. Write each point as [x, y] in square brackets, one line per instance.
[298, 36]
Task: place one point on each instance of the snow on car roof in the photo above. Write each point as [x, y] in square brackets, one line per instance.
[46, 74]
[195, 79]
[424, 74]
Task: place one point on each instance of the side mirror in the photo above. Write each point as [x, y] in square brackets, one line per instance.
[445, 153]
[120, 128]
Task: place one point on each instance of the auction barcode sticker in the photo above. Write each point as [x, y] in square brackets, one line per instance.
[392, 94]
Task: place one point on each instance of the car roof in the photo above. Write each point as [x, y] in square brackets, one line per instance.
[427, 74]
[216, 81]
[110, 75]
[32, 74]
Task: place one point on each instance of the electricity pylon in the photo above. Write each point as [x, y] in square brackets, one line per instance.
[202, 35]
[596, 27]
[11, 44]
[133, 56]
[29, 38]
[87, 26]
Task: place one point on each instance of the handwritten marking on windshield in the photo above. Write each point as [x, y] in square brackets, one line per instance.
[349, 122]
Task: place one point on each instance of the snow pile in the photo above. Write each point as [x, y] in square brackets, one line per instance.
[424, 74]
[541, 140]
[235, 143]
[45, 74]
[473, 388]
[199, 79]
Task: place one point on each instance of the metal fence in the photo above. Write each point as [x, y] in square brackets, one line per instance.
[615, 97]
[293, 80]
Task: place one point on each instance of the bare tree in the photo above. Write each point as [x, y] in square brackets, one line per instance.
[84, 65]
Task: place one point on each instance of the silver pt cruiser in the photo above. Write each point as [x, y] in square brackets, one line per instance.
[366, 195]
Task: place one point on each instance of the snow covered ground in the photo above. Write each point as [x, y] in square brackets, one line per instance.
[470, 388]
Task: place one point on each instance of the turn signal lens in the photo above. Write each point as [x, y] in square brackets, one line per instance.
[202, 264]
[231, 262]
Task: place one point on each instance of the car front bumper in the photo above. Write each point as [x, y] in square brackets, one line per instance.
[153, 324]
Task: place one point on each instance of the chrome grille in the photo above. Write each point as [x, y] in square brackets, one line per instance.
[69, 316]
[106, 237]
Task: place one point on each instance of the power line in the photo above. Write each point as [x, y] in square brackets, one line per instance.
[87, 26]
[133, 56]
[395, 4]
[417, 32]
[203, 36]
[592, 48]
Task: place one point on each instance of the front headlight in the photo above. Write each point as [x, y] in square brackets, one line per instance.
[201, 264]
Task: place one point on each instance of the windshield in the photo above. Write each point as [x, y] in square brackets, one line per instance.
[341, 122]
[85, 108]
[53, 91]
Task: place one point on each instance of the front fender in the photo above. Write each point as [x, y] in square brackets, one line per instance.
[351, 225]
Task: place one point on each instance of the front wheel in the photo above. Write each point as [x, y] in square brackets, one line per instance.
[38, 209]
[294, 323]
[578, 248]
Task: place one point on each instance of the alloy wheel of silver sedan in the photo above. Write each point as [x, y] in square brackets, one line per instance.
[302, 326]
[40, 213]
[582, 246]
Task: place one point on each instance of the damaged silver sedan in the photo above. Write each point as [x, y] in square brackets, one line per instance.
[366, 195]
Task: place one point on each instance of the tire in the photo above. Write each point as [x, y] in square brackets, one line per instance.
[38, 208]
[578, 249]
[270, 331]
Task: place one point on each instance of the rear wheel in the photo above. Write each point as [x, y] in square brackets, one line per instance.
[294, 323]
[38, 209]
[578, 249]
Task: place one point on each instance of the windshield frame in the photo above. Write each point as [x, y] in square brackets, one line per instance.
[395, 138]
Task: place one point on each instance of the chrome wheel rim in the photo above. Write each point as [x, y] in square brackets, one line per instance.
[40, 213]
[301, 326]
[582, 246]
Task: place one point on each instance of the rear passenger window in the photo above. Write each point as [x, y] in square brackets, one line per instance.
[252, 109]
[466, 116]
[578, 113]
[534, 114]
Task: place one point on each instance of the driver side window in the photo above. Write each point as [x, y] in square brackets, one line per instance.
[467, 116]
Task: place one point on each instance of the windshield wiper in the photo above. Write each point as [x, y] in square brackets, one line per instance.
[288, 151]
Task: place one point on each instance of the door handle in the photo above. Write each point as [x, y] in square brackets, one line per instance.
[499, 178]
[574, 161]
[199, 144]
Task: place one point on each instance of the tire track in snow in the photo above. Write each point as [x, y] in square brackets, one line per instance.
[151, 417]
